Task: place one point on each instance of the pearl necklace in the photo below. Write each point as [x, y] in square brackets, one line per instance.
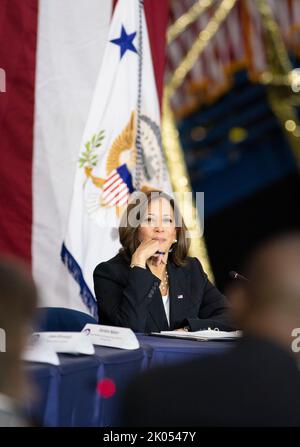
[164, 285]
[164, 282]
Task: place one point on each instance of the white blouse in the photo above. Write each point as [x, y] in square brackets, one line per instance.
[166, 303]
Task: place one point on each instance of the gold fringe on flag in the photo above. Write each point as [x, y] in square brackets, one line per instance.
[174, 155]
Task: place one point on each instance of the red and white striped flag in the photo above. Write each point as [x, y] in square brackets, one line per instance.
[117, 187]
[50, 56]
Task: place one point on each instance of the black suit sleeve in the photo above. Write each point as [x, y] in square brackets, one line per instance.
[124, 305]
[213, 311]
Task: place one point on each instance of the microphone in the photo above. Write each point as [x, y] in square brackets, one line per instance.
[235, 275]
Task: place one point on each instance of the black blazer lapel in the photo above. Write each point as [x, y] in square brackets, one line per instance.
[157, 312]
[179, 294]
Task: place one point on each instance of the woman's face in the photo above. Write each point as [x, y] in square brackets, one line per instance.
[158, 224]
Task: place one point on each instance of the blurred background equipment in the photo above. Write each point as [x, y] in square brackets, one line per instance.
[232, 83]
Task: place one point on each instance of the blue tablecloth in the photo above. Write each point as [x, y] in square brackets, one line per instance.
[42, 408]
[163, 350]
[66, 395]
[119, 366]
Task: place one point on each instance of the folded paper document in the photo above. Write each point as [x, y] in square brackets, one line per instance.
[67, 342]
[38, 350]
[111, 336]
[209, 334]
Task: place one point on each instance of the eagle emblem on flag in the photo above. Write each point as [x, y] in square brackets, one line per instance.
[116, 187]
[120, 150]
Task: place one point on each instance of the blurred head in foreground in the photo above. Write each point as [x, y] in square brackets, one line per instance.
[18, 299]
[268, 304]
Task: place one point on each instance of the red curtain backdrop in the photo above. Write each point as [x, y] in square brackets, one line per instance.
[18, 35]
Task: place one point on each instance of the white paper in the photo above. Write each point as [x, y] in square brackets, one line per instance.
[209, 334]
[67, 342]
[114, 337]
[38, 350]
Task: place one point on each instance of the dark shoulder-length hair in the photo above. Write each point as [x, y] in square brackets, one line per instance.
[132, 218]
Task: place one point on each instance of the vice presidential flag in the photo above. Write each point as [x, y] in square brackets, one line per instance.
[120, 151]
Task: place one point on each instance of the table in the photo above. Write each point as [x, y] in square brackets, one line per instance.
[163, 350]
[42, 408]
[67, 394]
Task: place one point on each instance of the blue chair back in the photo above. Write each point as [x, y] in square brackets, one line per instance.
[61, 319]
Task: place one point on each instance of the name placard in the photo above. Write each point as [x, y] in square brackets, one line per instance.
[39, 351]
[67, 342]
[111, 336]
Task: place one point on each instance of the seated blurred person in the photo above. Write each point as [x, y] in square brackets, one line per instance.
[18, 299]
[257, 382]
[152, 284]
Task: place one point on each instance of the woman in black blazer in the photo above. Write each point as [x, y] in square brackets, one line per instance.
[152, 285]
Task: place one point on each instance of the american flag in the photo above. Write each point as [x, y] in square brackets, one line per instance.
[117, 187]
[239, 43]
